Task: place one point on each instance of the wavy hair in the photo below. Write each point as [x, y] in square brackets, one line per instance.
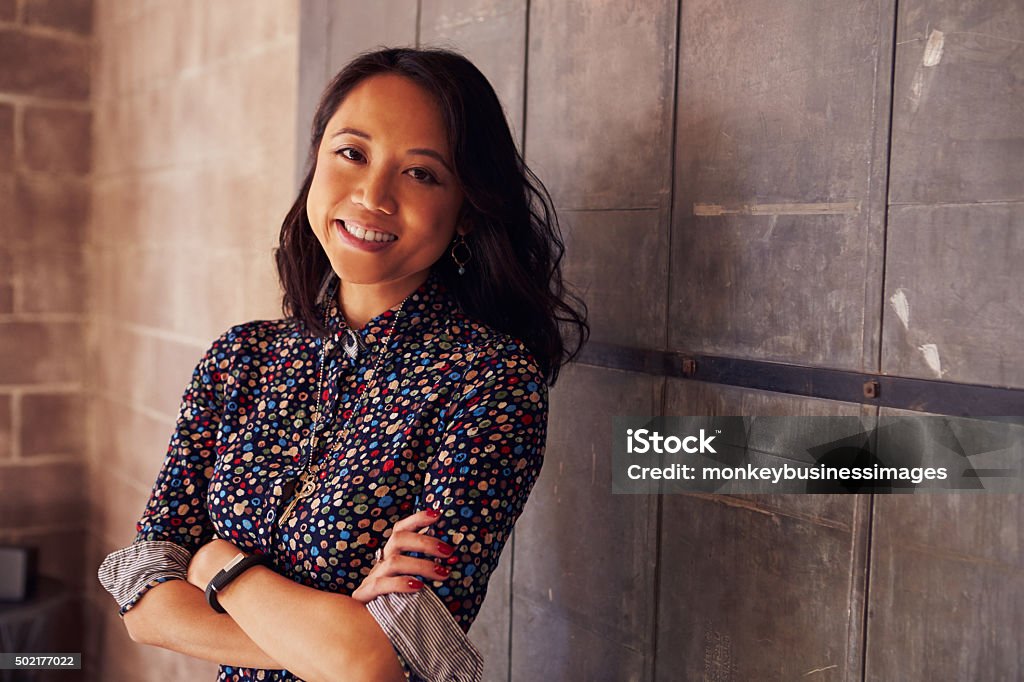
[513, 282]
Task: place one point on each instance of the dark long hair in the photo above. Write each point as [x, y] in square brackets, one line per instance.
[513, 282]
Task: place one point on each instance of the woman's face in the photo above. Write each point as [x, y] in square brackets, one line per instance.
[384, 171]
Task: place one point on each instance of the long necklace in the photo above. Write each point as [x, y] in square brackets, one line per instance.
[306, 482]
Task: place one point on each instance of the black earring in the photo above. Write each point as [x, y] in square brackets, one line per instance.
[461, 241]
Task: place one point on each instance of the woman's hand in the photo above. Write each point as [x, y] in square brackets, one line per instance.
[393, 573]
[208, 560]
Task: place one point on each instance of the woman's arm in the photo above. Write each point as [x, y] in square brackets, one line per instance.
[174, 615]
[321, 636]
[148, 578]
[314, 634]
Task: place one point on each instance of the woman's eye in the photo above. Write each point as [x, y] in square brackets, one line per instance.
[350, 154]
[422, 175]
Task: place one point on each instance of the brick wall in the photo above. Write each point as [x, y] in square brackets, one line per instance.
[45, 152]
[193, 131]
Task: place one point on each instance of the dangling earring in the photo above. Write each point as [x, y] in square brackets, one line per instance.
[461, 241]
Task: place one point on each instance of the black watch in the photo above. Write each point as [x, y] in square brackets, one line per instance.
[234, 568]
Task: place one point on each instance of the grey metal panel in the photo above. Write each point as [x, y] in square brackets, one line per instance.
[777, 581]
[947, 587]
[958, 131]
[490, 630]
[780, 179]
[359, 26]
[618, 262]
[599, 93]
[492, 34]
[747, 594]
[314, 24]
[583, 589]
[954, 285]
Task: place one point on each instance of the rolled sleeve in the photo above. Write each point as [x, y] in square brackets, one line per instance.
[129, 572]
[429, 643]
[175, 522]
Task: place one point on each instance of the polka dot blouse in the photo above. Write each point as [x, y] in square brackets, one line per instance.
[455, 419]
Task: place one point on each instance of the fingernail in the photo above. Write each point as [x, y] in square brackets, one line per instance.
[444, 549]
[415, 583]
[443, 570]
[433, 513]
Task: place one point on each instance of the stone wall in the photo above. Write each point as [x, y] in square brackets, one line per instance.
[45, 152]
[194, 119]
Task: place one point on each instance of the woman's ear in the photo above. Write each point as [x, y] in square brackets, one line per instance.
[463, 225]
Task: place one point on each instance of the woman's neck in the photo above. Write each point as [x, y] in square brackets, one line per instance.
[360, 303]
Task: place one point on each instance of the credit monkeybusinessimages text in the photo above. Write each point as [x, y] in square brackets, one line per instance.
[643, 441]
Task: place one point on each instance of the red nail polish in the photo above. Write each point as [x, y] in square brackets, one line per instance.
[444, 549]
[433, 513]
[415, 583]
[443, 570]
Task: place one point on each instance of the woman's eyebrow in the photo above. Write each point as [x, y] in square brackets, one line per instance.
[432, 154]
[351, 131]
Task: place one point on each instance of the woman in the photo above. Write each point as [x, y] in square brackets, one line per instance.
[341, 482]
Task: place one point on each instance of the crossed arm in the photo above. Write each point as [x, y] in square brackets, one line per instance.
[272, 622]
[275, 623]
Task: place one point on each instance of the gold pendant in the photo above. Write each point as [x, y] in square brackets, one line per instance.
[307, 484]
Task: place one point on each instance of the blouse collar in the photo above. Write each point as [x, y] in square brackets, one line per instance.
[427, 308]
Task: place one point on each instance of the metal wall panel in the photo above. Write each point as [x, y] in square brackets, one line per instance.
[761, 218]
[954, 284]
[618, 261]
[491, 630]
[314, 26]
[598, 132]
[583, 590]
[777, 607]
[599, 93]
[780, 178]
[953, 278]
[492, 34]
[359, 26]
[947, 587]
[957, 128]
[766, 587]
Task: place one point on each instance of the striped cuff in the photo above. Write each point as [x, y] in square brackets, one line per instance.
[423, 631]
[127, 573]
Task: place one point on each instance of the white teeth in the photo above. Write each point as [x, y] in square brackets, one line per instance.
[368, 235]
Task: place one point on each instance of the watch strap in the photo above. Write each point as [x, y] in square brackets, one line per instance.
[234, 568]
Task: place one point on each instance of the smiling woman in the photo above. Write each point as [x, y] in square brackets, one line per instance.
[385, 150]
[343, 512]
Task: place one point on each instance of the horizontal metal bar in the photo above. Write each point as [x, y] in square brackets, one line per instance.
[919, 395]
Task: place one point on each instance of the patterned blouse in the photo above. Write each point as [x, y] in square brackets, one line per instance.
[456, 419]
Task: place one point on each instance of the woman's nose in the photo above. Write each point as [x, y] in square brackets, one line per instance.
[374, 193]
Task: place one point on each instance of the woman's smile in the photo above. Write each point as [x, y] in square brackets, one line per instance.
[365, 238]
